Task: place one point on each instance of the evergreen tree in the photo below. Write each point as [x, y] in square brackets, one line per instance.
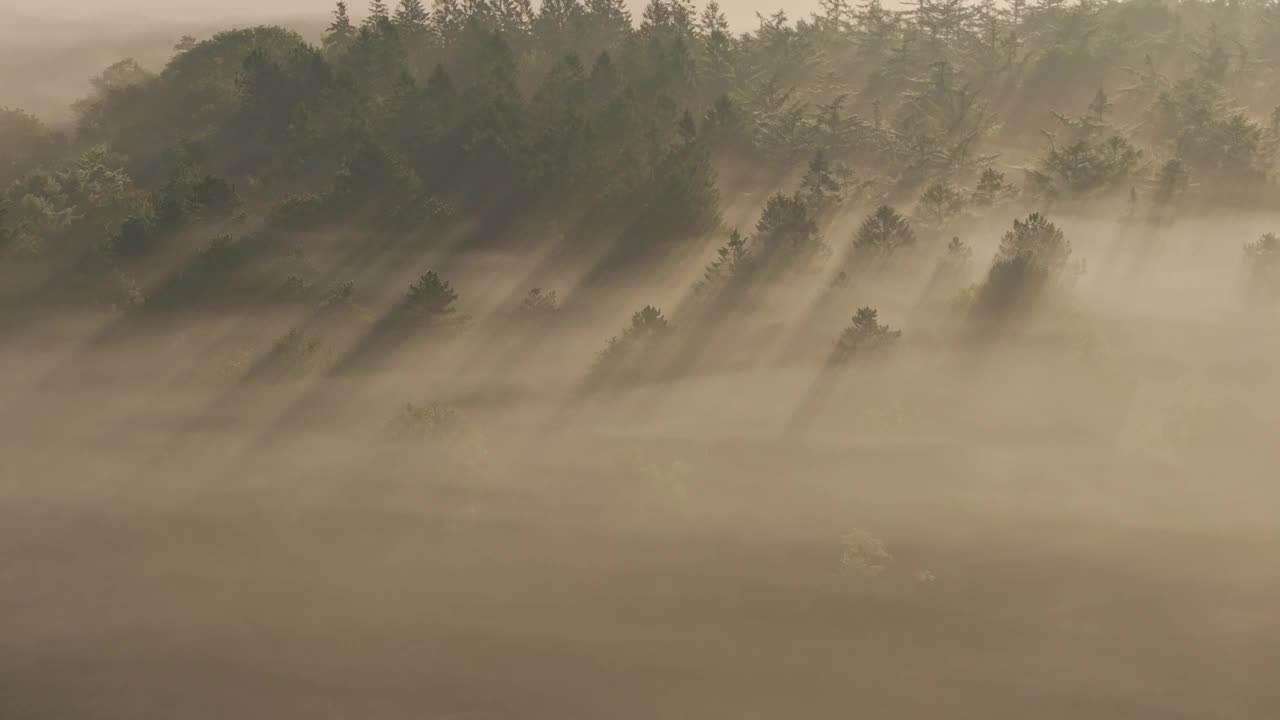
[883, 233]
[377, 12]
[447, 19]
[865, 334]
[340, 30]
[412, 15]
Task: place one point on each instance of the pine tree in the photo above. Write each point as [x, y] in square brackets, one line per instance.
[714, 24]
[883, 232]
[340, 30]
[447, 19]
[411, 14]
[612, 14]
[377, 12]
[864, 334]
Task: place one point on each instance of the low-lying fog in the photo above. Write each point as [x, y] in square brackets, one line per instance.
[1076, 520]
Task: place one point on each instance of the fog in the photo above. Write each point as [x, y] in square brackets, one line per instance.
[312, 483]
[1078, 525]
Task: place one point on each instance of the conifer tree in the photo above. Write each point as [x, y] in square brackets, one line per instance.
[340, 30]
[447, 18]
[411, 14]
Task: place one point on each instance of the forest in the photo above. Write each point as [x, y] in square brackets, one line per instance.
[493, 359]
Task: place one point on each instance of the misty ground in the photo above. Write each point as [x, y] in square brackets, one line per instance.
[1061, 526]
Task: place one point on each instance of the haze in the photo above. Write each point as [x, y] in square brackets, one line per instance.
[507, 363]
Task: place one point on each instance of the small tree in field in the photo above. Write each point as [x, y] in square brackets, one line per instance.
[865, 334]
[1031, 256]
[648, 327]
[431, 297]
[538, 307]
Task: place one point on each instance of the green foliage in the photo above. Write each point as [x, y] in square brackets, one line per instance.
[992, 189]
[208, 272]
[883, 233]
[733, 262]
[622, 353]
[430, 297]
[1031, 257]
[25, 144]
[1171, 181]
[135, 237]
[538, 307]
[787, 234]
[1038, 240]
[864, 335]
[494, 114]
[939, 205]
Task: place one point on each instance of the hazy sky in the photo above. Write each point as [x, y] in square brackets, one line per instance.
[741, 12]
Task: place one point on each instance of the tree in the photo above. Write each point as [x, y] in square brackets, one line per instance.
[733, 260]
[822, 185]
[883, 233]
[648, 327]
[377, 12]
[1171, 181]
[412, 15]
[1030, 258]
[25, 143]
[940, 204]
[430, 297]
[992, 189]
[447, 19]
[787, 235]
[1262, 259]
[864, 335]
[538, 307]
[135, 237]
[1037, 240]
[340, 31]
